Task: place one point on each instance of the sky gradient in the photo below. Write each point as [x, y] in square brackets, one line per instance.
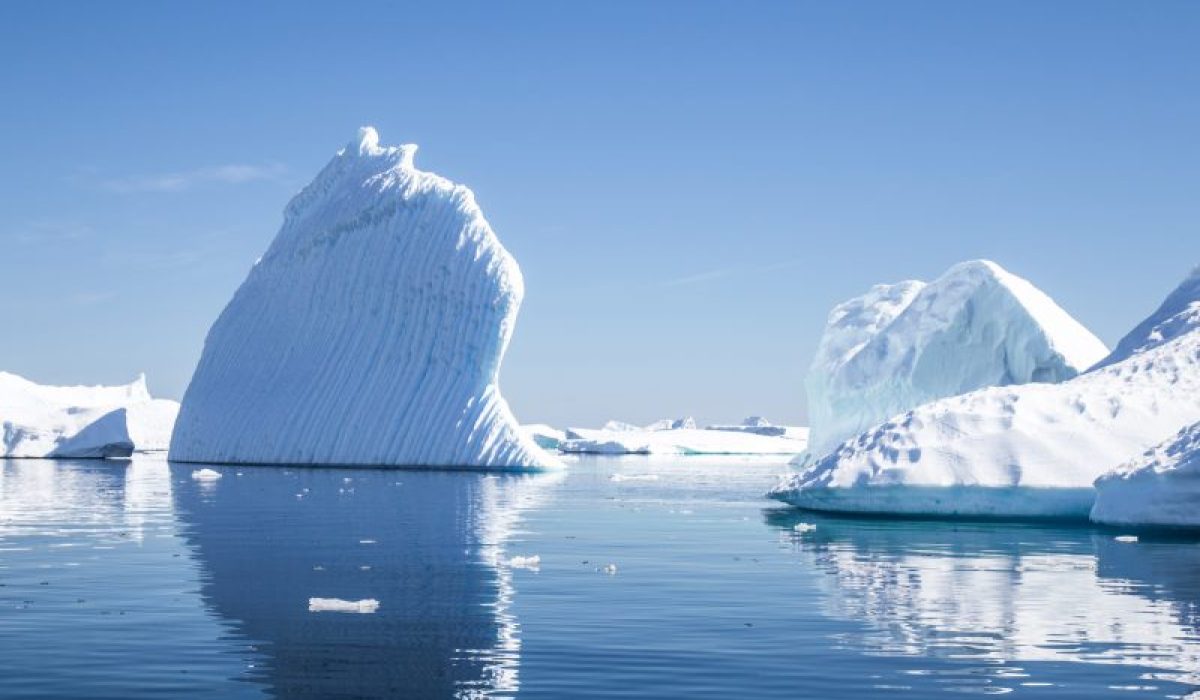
[687, 186]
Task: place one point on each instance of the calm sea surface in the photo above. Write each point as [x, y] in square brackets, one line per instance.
[654, 578]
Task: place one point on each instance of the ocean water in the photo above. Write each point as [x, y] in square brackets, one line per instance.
[654, 578]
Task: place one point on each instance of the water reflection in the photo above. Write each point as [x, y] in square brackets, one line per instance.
[429, 546]
[1006, 594]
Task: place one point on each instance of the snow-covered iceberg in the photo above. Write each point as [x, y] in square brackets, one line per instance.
[1159, 489]
[81, 421]
[761, 426]
[901, 345]
[370, 333]
[1031, 450]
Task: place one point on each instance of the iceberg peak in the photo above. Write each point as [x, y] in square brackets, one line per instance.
[365, 144]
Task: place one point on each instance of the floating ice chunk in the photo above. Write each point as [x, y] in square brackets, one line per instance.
[371, 332]
[902, 345]
[206, 474]
[1160, 488]
[610, 569]
[366, 605]
[533, 563]
[801, 528]
[1126, 538]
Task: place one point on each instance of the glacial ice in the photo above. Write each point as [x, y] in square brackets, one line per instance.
[370, 333]
[1031, 450]
[1161, 488]
[81, 421]
[902, 345]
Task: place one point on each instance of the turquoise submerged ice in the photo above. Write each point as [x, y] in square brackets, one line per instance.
[370, 333]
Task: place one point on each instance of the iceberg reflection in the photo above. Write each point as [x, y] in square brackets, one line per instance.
[427, 546]
[1007, 593]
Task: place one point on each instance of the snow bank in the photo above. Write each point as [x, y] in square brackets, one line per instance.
[370, 333]
[1012, 451]
[1178, 314]
[1161, 488]
[902, 345]
[81, 421]
[682, 441]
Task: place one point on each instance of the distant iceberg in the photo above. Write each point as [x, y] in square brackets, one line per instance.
[370, 333]
[902, 345]
[1031, 450]
[681, 437]
[81, 421]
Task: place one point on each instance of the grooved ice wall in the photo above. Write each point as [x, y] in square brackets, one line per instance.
[370, 333]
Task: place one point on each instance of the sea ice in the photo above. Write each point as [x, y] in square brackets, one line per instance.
[370, 333]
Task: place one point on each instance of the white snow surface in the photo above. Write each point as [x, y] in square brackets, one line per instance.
[370, 333]
[680, 441]
[1178, 314]
[1161, 488]
[905, 344]
[40, 421]
[1031, 450]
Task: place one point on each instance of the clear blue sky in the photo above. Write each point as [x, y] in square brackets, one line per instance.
[688, 186]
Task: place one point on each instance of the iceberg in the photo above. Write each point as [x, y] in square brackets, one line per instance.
[545, 436]
[902, 345]
[40, 421]
[761, 426]
[1159, 489]
[370, 333]
[681, 441]
[1018, 451]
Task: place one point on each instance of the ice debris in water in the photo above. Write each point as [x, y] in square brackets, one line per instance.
[802, 528]
[206, 474]
[366, 605]
[1126, 538]
[610, 569]
[533, 562]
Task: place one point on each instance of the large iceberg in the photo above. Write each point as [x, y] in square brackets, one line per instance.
[38, 421]
[370, 333]
[1159, 489]
[1031, 450]
[905, 344]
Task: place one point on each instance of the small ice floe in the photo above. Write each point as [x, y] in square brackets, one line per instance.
[801, 528]
[533, 562]
[366, 541]
[633, 477]
[1126, 538]
[610, 569]
[366, 605]
[206, 474]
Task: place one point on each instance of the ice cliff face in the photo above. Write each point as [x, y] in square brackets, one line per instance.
[1019, 450]
[902, 345]
[81, 421]
[370, 333]
[1159, 488]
